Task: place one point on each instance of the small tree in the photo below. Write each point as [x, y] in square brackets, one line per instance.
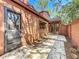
[69, 12]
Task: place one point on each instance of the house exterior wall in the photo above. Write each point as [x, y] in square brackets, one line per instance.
[1, 30]
[45, 31]
[73, 33]
[29, 24]
[60, 28]
[63, 29]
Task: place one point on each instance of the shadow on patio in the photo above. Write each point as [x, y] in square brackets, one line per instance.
[52, 47]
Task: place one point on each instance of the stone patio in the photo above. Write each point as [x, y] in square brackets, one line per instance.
[51, 48]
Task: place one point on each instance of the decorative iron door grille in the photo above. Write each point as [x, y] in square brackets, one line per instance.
[12, 30]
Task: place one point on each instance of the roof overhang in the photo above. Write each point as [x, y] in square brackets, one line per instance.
[27, 8]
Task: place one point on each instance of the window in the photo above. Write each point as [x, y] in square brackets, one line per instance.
[42, 25]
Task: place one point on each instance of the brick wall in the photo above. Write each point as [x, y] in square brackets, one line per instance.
[29, 24]
[44, 31]
[63, 30]
[73, 32]
[1, 29]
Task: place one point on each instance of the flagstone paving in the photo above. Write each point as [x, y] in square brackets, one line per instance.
[51, 48]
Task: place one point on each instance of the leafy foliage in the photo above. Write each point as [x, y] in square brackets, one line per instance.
[68, 13]
[43, 3]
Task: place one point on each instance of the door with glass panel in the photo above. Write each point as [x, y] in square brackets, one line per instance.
[12, 28]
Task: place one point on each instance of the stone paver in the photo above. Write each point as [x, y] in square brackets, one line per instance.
[51, 48]
[20, 53]
[58, 50]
